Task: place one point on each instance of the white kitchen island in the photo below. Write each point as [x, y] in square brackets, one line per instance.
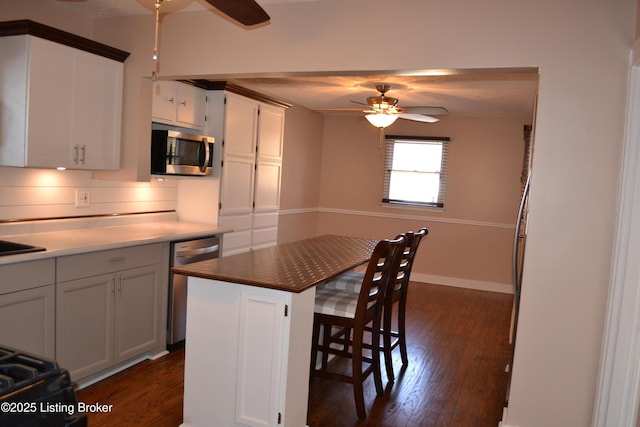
[249, 324]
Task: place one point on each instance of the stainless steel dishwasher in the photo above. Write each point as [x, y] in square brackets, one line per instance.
[185, 252]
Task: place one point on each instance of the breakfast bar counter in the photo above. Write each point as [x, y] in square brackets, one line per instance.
[292, 267]
[249, 325]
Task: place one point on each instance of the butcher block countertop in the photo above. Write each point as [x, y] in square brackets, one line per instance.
[292, 267]
[94, 235]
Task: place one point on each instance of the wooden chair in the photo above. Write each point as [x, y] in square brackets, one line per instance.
[350, 311]
[397, 293]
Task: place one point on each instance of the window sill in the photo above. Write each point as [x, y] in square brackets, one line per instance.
[410, 207]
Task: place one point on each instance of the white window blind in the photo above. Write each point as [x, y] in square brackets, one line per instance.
[415, 170]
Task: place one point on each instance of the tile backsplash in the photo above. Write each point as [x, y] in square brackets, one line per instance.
[43, 193]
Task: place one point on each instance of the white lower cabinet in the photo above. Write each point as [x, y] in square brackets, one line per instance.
[105, 319]
[27, 307]
[247, 355]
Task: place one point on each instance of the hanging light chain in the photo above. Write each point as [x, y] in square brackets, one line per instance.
[154, 74]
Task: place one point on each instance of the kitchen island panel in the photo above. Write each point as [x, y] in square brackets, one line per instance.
[247, 356]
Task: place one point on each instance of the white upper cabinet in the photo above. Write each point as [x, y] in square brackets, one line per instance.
[251, 135]
[239, 155]
[62, 107]
[179, 104]
[269, 159]
[97, 112]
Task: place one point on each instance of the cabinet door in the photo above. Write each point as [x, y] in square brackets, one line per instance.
[84, 324]
[269, 159]
[31, 317]
[50, 106]
[268, 176]
[164, 102]
[237, 180]
[260, 354]
[191, 106]
[240, 131]
[137, 318]
[97, 112]
[239, 156]
[270, 132]
[267, 186]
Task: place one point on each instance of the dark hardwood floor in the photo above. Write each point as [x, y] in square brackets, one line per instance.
[458, 351]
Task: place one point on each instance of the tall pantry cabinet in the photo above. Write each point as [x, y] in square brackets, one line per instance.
[249, 135]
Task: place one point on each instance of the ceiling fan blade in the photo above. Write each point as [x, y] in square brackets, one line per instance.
[418, 118]
[432, 111]
[247, 12]
[359, 103]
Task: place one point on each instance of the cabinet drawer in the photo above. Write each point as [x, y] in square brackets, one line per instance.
[26, 275]
[265, 220]
[237, 222]
[236, 242]
[264, 237]
[109, 261]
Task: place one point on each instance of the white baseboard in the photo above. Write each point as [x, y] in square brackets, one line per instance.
[504, 417]
[92, 379]
[158, 355]
[457, 282]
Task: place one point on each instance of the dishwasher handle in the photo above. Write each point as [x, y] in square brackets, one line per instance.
[197, 252]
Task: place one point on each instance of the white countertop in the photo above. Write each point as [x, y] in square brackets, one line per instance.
[98, 237]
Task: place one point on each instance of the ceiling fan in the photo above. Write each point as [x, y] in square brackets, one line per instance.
[246, 12]
[383, 110]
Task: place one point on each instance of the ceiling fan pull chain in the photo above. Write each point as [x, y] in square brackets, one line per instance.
[154, 74]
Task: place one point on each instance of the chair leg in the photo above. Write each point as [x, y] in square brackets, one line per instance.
[314, 345]
[347, 336]
[402, 336]
[386, 338]
[375, 356]
[356, 367]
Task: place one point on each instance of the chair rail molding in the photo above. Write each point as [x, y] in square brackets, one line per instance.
[397, 216]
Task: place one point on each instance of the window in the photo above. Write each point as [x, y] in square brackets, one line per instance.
[415, 171]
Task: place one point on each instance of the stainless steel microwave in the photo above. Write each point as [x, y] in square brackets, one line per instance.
[174, 152]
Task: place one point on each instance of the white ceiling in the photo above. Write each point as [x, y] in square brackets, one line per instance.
[469, 93]
[99, 9]
[472, 93]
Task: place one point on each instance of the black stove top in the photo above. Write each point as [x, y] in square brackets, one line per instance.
[18, 369]
[36, 391]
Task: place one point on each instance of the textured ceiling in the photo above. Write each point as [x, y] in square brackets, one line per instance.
[475, 93]
[479, 93]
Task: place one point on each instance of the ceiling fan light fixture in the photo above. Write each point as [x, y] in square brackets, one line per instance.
[383, 103]
[381, 120]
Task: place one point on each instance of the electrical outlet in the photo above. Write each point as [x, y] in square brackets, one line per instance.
[83, 198]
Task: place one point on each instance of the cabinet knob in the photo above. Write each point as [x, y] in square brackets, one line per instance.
[170, 100]
[183, 103]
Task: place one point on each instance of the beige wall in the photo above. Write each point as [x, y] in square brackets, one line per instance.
[471, 240]
[299, 196]
[582, 50]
